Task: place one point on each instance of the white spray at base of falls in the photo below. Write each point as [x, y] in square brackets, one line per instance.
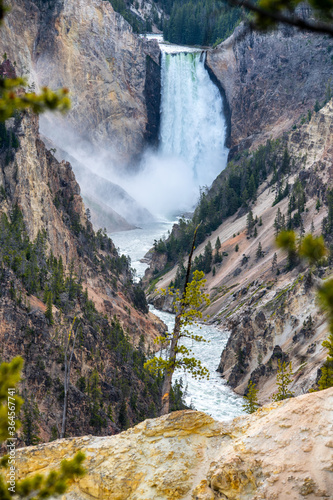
[192, 148]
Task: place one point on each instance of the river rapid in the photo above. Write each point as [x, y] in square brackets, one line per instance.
[212, 396]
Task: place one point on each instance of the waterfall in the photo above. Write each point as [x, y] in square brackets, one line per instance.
[191, 150]
[193, 126]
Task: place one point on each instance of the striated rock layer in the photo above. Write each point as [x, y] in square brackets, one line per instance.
[87, 47]
[284, 451]
[270, 80]
[47, 194]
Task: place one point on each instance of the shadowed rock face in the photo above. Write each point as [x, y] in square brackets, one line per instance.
[87, 47]
[270, 80]
[280, 452]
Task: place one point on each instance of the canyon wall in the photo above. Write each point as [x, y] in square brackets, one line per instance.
[271, 311]
[87, 280]
[270, 80]
[90, 49]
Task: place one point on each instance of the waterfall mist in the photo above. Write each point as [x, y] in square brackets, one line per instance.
[191, 150]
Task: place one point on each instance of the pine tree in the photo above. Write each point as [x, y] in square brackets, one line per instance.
[259, 252]
[326, 379]
[255, 232]
[236, 248]
[260, 221]
[302, 230]
[312, 228]
[251, 404]
[49, 312]
[274, 262]
[122, 416]
[208, 257]
[283, 381]
[249, 222]
[218, 244]
[277, 222]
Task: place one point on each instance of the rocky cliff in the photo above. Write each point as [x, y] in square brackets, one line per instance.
[53, 267]
[270, 80]
[271, 312]
[112, 74]
[283, 451]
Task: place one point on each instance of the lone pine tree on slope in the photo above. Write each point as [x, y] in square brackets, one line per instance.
[187, 305]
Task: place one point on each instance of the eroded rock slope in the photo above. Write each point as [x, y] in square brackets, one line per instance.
[283, 451]
[270, 80]
[112, 74]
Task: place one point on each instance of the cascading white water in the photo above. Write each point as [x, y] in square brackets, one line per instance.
[191, 154]
[193, 126]
[192, 150]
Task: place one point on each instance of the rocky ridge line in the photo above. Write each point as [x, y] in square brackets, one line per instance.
[283, 451]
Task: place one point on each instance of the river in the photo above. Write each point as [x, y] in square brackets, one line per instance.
[190, 155]
[212, 396]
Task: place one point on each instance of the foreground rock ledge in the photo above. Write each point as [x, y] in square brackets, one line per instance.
[282, 452]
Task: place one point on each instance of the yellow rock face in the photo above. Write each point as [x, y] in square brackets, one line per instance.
[87, 47]
[188, 455]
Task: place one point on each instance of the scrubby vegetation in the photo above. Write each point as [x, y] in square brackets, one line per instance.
[134, 393]
[235, 188]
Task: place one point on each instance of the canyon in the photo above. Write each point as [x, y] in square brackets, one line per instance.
[272, 313]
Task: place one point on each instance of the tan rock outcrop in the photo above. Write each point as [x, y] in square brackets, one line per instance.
[281, 452]
[90, 49]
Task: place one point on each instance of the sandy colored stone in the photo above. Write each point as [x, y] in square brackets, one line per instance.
[87, 47]
[188, 455]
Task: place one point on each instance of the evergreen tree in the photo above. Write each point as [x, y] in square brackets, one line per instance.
[274, 262]
[259, 252]
[301, 230]
[49, 312]
[122, 416]
[312, 228]
[255, 234]
[249, 223]
[278, 222]
[251, 404]
[283, 381]
[326, 379]
[236, 248]
[208, 258]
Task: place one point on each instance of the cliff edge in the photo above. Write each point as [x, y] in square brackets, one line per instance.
[282, 451]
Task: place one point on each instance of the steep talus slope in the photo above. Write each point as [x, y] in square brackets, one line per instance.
[88, 48]
[279, 311]
[283, 451]
[53, 267]
[272, 313]
[270, 80]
